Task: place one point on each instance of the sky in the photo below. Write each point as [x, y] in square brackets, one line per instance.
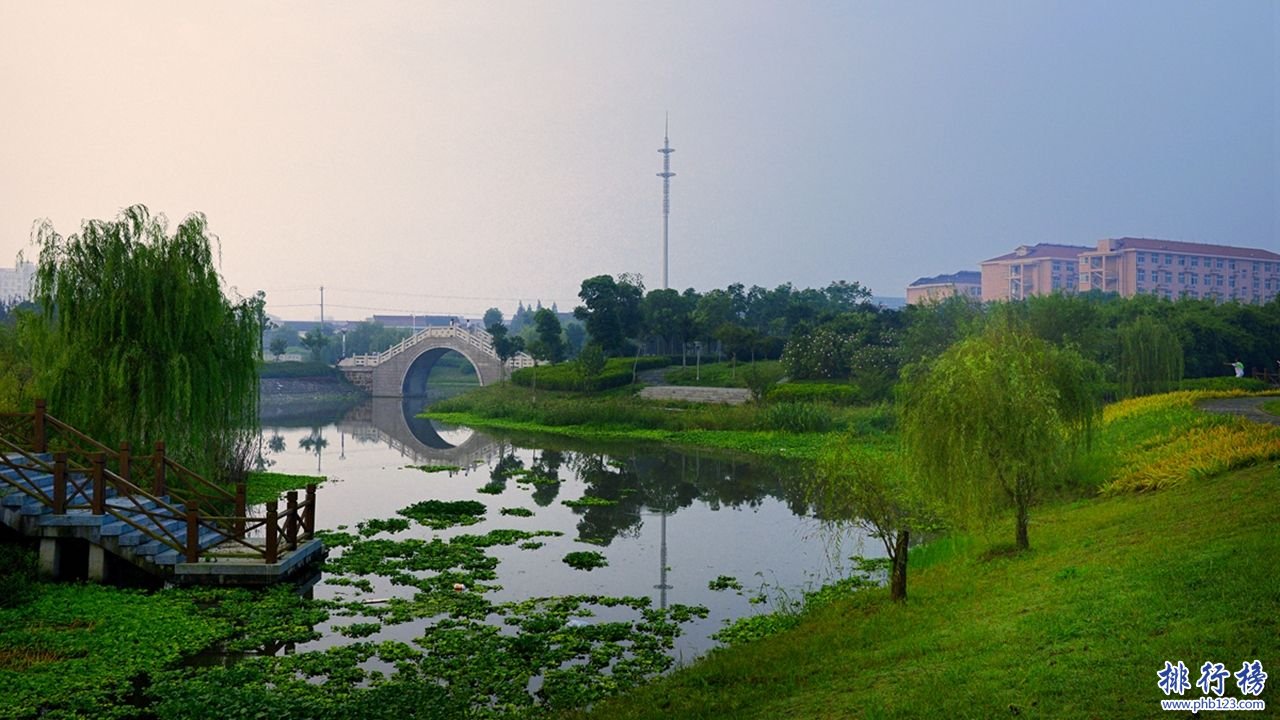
[445, 157]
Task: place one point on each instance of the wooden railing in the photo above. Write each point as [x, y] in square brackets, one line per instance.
[82, 473]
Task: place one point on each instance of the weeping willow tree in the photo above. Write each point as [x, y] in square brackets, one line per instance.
[1150, 359]
[993, 421]
[869, 487]
[134, 340]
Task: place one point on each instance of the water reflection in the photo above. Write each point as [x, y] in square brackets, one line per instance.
[668, 520]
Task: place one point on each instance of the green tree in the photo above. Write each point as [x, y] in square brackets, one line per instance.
[1150, 359]
[547, 327]
[492, 316]
[590, 364]
[278, 346]
[870, 487]
[995, 419]
[315, 341]
[504, 345]
[611, 310]
[134, 341]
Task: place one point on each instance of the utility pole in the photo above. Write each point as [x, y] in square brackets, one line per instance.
[322, 311]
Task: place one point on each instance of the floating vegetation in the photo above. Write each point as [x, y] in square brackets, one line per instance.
[439, 514]
[601, 542]
[263, 487]
[360, 630]
[492, 488]
[585, 560]
[517, 512]
[531, 545]
[589, 501]
[434, 468]
[369, 528]
[725, 582]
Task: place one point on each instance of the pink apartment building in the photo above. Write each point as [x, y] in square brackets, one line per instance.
[1040, 269]
[932, 289]
[1171, 269]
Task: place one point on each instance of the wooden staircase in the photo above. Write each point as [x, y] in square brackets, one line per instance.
[61, 486]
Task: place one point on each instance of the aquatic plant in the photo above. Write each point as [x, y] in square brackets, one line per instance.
[585, 560]
[440, 514]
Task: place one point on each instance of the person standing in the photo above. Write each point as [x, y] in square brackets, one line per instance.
[1239, 366]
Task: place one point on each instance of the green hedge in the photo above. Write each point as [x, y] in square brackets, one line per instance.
[835, 393]
[1224, 383]
[617, 372]
[296, 370]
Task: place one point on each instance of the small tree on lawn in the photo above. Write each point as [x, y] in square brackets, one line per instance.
[995, 419]
[278, 346]
[590, 364]
[315, 341]
[870, 487]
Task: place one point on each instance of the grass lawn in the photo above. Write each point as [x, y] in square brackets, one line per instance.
[1076, 628]
[1272, 407]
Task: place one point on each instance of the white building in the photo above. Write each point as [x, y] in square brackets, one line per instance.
[15, 283]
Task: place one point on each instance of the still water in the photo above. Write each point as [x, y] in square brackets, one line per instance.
[682, 518]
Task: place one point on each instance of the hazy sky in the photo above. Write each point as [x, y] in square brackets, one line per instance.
[448, 156]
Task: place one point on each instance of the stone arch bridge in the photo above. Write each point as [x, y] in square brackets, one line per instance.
[403, 369]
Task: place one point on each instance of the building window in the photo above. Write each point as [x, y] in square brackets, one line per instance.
[1168, 259]
[1182, 260]
[1182, 278]
[1231, 265]
[1141, 258]
[1219, 264]
[1195, 262]
[1142, 275]
[1168, 276]
[1193, 278]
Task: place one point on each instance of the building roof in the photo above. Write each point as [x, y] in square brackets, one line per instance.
[1177, 246]
[1042, 250]
[964, 277]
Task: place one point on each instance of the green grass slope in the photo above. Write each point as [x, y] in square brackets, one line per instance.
[1076, 628]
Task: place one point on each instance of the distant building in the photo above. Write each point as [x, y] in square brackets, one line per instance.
[1172, 269]
[414, 322]
[1040, 269]
[15, 283]
[967, 283]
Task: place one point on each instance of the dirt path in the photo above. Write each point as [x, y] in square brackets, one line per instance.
[1246, 407]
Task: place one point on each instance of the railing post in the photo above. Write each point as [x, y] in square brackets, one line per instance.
[193, 535]
[309, 513]
[242, 508]
[291, 520]
[39, 442]
[59, 483]
[124, 468]
[157, 484]
[273, 541]
[99, 461]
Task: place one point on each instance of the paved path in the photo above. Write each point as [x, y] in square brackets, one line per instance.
[1246, 407]
[689, 393]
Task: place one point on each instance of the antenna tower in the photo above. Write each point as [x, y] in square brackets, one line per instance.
[666, 176]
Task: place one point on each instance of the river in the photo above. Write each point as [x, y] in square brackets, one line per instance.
[682, 518]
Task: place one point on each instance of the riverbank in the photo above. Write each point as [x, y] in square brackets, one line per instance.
[793, 431]
[1077, 627]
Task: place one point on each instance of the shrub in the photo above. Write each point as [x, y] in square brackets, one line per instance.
[797, 417]
[18, 567]
[1224, 383]
[297, 370]
[565, 376]
[835, 393]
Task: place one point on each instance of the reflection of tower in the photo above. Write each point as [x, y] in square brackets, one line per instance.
[666, 176]
[662, 558]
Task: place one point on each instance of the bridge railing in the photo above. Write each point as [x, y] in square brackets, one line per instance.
[481, 340]
[83, 479]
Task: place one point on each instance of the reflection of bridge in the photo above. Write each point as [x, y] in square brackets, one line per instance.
[394, 421]
[403, 369]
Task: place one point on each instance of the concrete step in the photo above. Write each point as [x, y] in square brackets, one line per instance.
[208, 539]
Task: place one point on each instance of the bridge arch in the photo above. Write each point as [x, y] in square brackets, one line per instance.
[403, 369]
